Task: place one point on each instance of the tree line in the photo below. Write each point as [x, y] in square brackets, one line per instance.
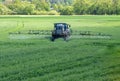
[60, 7]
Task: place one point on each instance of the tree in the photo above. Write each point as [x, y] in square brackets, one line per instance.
[41, 5]
[99, 7]
[4, 10]
[60, 7]
[55, 7]
[22, 7]
[64, 7]
[116, 6]
[81, 7]
[68, 10]
[29, 8]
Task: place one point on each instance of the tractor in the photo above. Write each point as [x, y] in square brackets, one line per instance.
[61, 30]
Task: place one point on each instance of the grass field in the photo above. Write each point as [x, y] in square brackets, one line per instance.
[76, 60]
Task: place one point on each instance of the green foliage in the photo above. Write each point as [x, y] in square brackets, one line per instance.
[29, 9]
[41, 5]
[81, 6]
[64, 2]
[22, 7]
[100, 7]
[103, 7]
[55, 7]
[68, 10]
[4, 10]
[64, 7]
[42, 13]
[53, 12]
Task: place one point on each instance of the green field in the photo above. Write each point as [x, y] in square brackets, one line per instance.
[38, 59]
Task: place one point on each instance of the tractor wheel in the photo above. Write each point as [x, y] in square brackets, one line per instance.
[66, 38]
[52, 39]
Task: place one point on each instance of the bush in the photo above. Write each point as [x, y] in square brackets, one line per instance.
[4, 10]
[22, 8]
[53, 12]
[68, 10]
[36, 12]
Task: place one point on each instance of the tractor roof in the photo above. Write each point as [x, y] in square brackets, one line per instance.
[61, 23]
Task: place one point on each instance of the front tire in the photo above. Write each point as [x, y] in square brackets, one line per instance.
[66, 38]
[53, 39]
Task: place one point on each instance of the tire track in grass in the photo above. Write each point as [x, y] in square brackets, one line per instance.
[23, 53]
[104, 77]
[111, 71]
[14, 63]
[43, 73]
[111, 78]
[58, 67]
[62, 63]
[62, 74]
[87, 71]
[96, 75]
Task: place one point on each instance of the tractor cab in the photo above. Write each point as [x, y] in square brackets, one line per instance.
[61, 26]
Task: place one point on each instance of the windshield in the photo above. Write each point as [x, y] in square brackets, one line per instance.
[61, 27]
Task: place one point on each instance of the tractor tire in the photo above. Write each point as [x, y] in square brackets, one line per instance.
[53, 39]
[66, 39]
